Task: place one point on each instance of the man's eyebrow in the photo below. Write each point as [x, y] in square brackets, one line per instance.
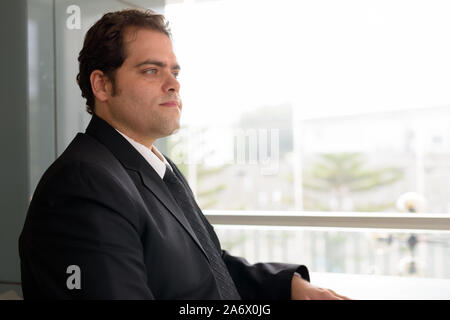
[161, 64]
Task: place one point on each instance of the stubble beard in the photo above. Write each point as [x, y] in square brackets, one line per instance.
[167, 126]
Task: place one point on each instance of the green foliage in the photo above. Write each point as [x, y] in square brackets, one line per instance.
[203, 172]
[343, 174]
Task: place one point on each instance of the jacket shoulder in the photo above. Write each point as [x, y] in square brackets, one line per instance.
[87, 149]
[84, 156]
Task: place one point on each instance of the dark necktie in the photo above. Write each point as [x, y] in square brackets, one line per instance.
[186, 202]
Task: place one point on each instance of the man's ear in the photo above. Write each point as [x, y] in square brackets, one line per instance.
[101, 86]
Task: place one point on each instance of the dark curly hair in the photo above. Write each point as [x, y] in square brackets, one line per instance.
[103, 47]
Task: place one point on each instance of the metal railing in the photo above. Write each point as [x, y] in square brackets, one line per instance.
[366, 243]
[377, 220]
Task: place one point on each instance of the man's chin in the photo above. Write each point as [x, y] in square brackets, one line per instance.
[175, 131]
[170, 131]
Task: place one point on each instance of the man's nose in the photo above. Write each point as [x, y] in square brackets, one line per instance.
[171, 84]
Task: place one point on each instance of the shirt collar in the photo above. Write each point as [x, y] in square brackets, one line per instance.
[150, 155]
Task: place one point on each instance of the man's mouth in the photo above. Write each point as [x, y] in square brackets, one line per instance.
[170, 103]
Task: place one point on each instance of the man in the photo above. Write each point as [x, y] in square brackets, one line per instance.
[112, 218]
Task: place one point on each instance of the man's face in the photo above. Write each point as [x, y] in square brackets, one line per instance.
[146, 104]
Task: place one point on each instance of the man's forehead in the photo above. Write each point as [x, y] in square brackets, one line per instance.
[131, 33]
[146, 44]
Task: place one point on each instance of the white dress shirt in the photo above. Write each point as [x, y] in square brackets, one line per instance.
[153, 156]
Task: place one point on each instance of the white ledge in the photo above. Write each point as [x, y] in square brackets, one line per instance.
[380, 220]
[374, 287]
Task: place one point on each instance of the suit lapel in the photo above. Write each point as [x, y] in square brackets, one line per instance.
[160, 190]
[133, 160]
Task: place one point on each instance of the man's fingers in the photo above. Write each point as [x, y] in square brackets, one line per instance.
[326, 294]
[340, 296]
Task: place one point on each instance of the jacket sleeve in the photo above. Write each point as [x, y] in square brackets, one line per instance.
[263, 281]
[81, 216]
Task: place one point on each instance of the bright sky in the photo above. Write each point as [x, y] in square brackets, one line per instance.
[327, 57]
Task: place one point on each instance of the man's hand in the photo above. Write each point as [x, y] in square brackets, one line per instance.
[303, 290]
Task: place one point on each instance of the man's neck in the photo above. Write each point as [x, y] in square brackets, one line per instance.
[139, 139]
[146, 141]
[151, 147]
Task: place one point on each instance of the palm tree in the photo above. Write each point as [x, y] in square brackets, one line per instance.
[343, 174]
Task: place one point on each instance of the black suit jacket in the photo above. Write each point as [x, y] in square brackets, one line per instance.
[100, 206]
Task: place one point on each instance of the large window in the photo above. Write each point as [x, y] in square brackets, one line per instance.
[322, 106]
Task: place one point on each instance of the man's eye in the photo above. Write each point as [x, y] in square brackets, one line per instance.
[176, 75]
[151, 71]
